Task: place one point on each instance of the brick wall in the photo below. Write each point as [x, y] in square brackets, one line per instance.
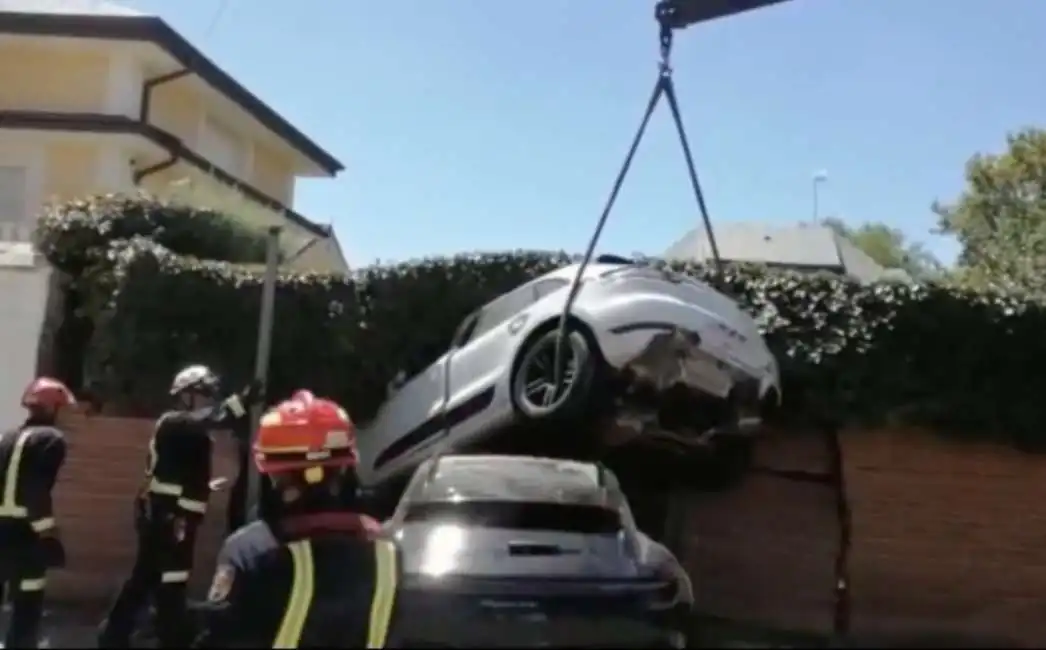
[94, 506]
[765, 551]
[948, 539]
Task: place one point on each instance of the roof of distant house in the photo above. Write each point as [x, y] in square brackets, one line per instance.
[802, 246]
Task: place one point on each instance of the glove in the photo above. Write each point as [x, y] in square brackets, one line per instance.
[253, 393]
[234, 406]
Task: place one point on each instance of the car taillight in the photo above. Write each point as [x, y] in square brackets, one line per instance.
[665, 596]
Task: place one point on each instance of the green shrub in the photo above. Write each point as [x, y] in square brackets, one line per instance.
[77, 238]
[966, 362]
[75, 235]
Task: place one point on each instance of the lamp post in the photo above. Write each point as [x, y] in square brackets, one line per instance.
[818, 178]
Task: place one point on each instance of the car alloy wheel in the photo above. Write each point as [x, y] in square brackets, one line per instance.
[535, 386]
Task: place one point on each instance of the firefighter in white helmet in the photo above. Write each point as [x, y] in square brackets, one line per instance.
[170, 505]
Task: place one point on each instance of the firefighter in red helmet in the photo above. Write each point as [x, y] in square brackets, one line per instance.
[317, 561]
[31, 457]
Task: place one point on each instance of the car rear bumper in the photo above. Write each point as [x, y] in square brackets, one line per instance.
[436, 619]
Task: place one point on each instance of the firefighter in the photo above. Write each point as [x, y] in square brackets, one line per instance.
[30, 460]
[238, 514]
[313, 560]
[170, 507]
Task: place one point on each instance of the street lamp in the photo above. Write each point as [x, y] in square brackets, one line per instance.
[818, 178]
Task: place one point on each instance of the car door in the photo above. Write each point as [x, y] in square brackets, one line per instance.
[488, 350]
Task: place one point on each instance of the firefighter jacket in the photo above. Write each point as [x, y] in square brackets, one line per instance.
[178, 467]
[324, 579]
[30, 460]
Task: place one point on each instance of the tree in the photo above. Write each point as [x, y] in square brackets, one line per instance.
[1000, 217]
[889, 247]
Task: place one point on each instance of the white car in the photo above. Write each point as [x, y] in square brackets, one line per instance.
[666, 355]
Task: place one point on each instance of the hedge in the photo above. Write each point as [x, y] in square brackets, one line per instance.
[967, 363]
[76, 238]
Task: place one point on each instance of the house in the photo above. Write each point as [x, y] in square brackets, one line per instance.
[801, 247]
[99, 98]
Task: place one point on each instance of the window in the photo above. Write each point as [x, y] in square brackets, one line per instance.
[544, 287]
[465, 330]
[223, 148]
[518, 515]
[501, 309]
[13, 200]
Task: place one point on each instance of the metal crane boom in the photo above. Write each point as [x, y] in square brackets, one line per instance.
[680, 14]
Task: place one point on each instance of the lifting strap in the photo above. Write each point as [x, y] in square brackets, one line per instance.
[664, 87]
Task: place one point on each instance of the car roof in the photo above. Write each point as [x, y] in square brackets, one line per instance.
[593, 270]
[512, 478]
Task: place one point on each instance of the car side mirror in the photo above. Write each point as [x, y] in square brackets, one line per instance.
[395, 384]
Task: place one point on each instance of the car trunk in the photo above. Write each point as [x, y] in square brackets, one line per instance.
[526, 575]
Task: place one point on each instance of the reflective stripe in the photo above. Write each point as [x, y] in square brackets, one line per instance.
[299, 602]
[282, 450]
[8, 505]
[235, 406]
[192, 505]
[36, 584]
[165, 489]
[174, 577]
[43, 525]
[384, 598]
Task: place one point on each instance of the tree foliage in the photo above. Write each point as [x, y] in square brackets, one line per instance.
[889, 247]
[999, 219]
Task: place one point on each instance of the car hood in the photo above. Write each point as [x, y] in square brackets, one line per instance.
[451, 550]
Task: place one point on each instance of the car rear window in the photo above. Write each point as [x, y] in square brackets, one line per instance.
[560, 517]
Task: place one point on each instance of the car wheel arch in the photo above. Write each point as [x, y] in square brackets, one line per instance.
[544, 327]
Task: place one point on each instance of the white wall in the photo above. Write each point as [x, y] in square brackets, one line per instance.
[23, 284]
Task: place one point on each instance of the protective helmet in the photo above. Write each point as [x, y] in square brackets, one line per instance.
[305, 435]
[195, 378]
[47, 392]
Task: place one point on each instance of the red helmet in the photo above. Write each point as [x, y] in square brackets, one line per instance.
[304, 433]
[47, 392]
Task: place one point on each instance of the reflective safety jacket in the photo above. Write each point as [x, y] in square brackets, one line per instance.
[178, 468]
[30, 460]
[313, 580]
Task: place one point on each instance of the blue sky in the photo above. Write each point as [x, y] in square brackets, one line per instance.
[490, 125]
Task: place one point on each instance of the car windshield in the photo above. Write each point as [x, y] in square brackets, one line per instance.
[517, 515]
[488, 478]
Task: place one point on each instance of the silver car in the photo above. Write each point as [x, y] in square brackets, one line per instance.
[672, 360]
[518, 551]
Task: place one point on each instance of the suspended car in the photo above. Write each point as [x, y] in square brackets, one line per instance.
[650, 354]
[518, 551]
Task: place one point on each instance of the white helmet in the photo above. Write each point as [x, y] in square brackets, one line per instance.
[195, 377]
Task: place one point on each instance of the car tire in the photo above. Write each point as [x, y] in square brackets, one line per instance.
[582, 364]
